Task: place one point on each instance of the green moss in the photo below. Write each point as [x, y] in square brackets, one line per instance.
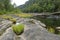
[24, 15]
[9, 18]
[50, 29]
[18, 29]
[31, 21]
[13, 20]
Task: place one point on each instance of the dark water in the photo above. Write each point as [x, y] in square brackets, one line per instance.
[49, 22]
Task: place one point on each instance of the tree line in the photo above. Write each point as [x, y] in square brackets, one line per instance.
[41, 6]
[7, 7]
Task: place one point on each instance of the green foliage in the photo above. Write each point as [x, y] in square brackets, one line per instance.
[7, 8]
[50, 29]
[6, 5]
[18, 29]
[3, 12]
[41, 6]
[16, 10]
[9, 18]
[6, 17]
[24, 15]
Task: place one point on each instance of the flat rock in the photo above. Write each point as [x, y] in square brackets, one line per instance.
[8, 35]
[37, 32]
[31, 32]
[4, 25]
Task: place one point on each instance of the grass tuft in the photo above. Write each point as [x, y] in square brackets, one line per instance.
[18, 29]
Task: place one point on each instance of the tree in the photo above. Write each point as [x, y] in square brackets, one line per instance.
[41, 6]
[6, 5]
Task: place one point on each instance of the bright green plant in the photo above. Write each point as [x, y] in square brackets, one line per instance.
[18, 29]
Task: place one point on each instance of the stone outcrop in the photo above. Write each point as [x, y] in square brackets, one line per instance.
[8, 35]
[32, 31]
[4, 25]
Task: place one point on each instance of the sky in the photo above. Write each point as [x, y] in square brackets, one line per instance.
[19, 2]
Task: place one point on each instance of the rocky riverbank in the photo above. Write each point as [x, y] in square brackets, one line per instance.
[33, 30]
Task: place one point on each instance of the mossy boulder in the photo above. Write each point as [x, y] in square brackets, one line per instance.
[18, 29]
[13, 20]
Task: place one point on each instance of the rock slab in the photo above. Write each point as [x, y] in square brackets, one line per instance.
[31, 32]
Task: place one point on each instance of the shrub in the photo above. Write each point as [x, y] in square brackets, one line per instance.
[18, 29]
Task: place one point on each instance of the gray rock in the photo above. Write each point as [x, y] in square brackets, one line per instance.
[4, 25]
[31, 32]
[37, 32]
[8, 35]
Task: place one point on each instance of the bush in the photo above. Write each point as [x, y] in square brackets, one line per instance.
[2, 12]
[18, 29]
